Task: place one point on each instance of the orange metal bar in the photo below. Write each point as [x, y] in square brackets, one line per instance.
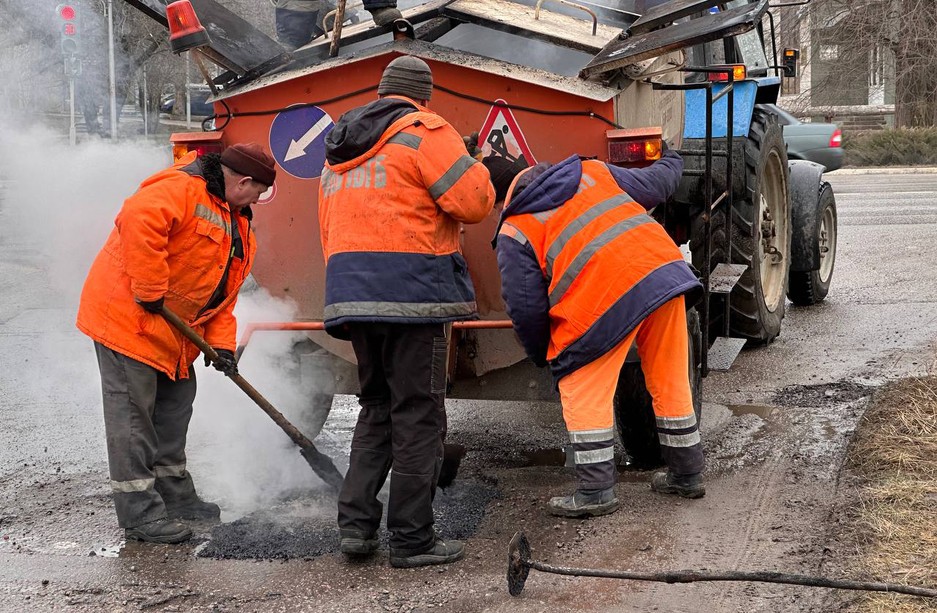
[249, 329]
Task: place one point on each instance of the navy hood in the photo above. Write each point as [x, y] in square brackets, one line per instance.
[551, 189]
[356, 131]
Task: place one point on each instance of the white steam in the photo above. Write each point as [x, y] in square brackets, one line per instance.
[58, 207]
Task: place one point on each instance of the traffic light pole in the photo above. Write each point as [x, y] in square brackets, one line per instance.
[72, 133]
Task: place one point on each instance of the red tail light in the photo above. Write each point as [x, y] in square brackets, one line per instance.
[200, 142]
[739, 73]
[837, 139]
[634, 146]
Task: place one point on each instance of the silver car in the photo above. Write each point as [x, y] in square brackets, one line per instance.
[818, 142]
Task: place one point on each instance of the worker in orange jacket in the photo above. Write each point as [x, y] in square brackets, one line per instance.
[395, 190]
[183, 240]
[586, 272]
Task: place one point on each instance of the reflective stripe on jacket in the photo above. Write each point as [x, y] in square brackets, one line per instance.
[582, 264]
[172, 239]
[390, 223]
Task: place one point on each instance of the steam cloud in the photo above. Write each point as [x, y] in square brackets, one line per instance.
[58, 208]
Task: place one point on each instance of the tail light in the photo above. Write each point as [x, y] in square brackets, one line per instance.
[634, 146]
[738, 73]
[837, 139]
[200, 142]
[185, 30]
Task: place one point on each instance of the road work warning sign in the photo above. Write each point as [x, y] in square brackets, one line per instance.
[501, 135]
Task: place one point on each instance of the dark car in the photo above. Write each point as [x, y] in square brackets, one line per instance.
[818, 142]
[200, 105]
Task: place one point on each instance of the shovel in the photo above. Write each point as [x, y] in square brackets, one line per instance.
[320, 463]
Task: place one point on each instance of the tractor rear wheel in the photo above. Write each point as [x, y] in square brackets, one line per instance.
[761, 237]
[634, 410]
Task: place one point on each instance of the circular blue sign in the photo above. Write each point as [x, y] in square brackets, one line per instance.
[297, 140]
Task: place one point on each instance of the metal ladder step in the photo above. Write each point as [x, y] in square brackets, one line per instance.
[724, 277]
[723, 352]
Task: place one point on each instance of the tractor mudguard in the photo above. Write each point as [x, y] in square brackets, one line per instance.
[805, 179]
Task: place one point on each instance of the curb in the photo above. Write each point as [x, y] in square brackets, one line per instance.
[885, 170]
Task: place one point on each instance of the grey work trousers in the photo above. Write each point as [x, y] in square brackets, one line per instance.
[146, 419]
[401, 426]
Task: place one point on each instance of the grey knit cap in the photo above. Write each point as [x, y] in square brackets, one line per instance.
[407, 76]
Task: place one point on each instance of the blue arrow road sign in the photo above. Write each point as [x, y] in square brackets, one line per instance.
[297, 140]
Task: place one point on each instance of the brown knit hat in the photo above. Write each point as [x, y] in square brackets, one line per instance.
[250, 160]
[407, 76]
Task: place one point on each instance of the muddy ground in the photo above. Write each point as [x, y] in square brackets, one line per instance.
[775, 430]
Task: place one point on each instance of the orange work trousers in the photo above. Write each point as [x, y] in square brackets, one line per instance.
[588, 393]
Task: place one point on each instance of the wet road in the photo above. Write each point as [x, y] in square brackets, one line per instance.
[774, 427]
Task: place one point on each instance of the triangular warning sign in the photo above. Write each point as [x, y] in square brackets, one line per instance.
[501, 135]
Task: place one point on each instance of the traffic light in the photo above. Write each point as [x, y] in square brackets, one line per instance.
[790, 62]
[71, 32]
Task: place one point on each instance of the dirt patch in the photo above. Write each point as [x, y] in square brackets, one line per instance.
[824, 394]
[303, 524]
[888, 519]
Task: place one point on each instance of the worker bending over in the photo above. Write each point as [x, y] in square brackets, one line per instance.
[396, 187]
[586, 272]
[184, 239]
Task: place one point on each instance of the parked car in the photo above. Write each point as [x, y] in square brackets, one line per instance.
[815, 141]
[200, 105]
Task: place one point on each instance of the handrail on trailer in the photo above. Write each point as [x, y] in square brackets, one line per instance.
[729, 92]
[315, 326]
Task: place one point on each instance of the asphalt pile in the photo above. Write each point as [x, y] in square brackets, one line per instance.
[302, 526]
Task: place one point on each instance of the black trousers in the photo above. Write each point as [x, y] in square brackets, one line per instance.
[146, 420]
[400, 429]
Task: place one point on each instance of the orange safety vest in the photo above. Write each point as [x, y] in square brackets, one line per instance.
[172, 239]
[390, 221]
[607, 265]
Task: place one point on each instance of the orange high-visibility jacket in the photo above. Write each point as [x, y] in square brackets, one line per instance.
[390, 217]
[172, 239]
[582, 263]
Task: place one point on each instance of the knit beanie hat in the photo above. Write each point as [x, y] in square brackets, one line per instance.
[407, 76]
[250, 160]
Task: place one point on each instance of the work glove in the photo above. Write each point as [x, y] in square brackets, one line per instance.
[471, 145]
[156, 306]
[225, 362]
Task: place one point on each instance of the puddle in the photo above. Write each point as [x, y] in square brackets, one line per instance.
[764, 412]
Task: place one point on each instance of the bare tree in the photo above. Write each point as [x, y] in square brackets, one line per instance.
[868, 42]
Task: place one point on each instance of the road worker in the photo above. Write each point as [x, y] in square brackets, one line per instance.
[299, 22]
[586, 272]
[396, 187]
[183, 240]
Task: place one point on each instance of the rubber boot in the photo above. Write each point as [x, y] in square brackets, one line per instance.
[687, 486]
[585, 503]
[385, 15]
[443, 552]
[197, 510]
[358, 544]
[163, 530]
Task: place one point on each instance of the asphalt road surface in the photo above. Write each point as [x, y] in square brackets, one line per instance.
[775, 429]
